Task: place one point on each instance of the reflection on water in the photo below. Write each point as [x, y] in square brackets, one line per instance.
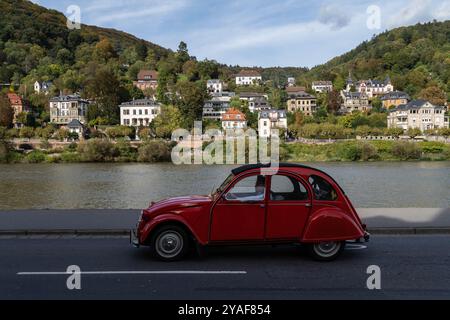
[71, 186]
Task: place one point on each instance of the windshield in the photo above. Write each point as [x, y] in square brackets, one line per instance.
[224, 184]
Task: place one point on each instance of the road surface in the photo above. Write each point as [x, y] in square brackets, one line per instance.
[412, 267]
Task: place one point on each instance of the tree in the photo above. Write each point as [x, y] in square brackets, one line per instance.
[333, 101]
[413, 132]
[190, 101]
[141, 50]
[165, 123]
[107, 92]
[26, 132]
[6, 112]
[434, 95]
[182, 53]
[104, 50]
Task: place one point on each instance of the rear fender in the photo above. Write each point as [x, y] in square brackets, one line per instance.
[331, 224]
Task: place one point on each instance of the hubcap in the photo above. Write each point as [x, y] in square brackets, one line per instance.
[169, 244]
[327, 249]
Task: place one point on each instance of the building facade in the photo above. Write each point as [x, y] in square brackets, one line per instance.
[269, 120]
[147, 79]
[18, 105]
[256, 101]
[214, 86]
[420, 114]
[64, 109]
[42, 87]
[354, 101]
[302, 101]
[248, 77]
[139, 112]
[233, 119]
[322, 86]
[214, 108]
[394, 99]
[373, 88]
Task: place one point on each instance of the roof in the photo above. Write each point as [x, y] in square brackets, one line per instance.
[322, 83]
[139, 103]
[252, 95]
[375, 83]
[75, 123]
[413, 105]
[267, 113]
[353, 95]
[14, 98]
[295, 89]
[73, 97]
[214, 81]
[248, 73]
[301, 95]
[395, 95]
[233, 115]
[147, 75]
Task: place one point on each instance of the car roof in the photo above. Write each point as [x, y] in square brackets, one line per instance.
[249, 167]
[261, 166]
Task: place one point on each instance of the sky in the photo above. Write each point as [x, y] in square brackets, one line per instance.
[267, 33]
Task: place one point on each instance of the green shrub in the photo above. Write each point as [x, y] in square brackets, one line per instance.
[70, 157]
[72, 147]
[35, 157]
[432, 147]
[154, 151]
[406, 150]
[125, 151]
[97, 150]
[45, 144]
[348, 151]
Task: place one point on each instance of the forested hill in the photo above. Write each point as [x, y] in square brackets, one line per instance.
[415, 57]
[32, 31]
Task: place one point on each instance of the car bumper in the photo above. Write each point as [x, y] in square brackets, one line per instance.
[134, 239]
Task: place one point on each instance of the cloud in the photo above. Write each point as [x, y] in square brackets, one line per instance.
[418, 11]
[333, 16]
[108, 11]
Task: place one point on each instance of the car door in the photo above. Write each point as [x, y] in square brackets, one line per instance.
[288, 207]
[239, 214]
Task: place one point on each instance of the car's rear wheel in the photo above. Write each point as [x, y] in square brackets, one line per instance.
[170, 243]
[327, 250]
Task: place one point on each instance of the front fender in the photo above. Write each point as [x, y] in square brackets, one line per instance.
[331, 224]
[165, 219]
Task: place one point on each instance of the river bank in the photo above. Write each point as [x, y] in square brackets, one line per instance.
[154, 151]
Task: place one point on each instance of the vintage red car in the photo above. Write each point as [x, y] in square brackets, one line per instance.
[295, 204]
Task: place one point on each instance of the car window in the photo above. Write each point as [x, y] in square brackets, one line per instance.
[322, 189]
[248, 189]
[285, 188]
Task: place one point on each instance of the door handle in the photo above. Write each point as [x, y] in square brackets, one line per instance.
[308, 205]
[262, 206]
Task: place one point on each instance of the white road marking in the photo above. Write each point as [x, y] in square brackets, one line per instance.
[130, 273]
[355, 247]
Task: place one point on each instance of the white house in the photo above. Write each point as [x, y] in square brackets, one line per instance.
[139, 112]
[217, 106]
[234, 119]
[322, 86]
[248, 77]
[269, 120]
[373, 88]
[43, 87]
[77, 127]
[214, 86]
[419, 114]
[64, 109]
[291, 82]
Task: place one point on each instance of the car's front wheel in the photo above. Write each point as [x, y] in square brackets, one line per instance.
[327, 250]
[170, 243]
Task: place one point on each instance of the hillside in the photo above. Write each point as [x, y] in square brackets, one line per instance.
[415, 57]
[27, 28]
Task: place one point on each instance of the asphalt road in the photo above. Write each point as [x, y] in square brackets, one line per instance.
[412, 267]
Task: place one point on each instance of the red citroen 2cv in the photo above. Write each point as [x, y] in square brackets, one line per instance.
[295, 204]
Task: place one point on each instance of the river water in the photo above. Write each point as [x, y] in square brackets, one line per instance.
[133, 186]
